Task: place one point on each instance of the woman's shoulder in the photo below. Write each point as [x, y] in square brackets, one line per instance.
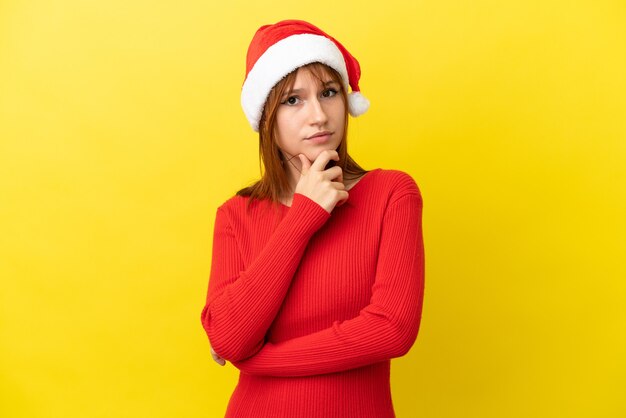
[239, 208]
[234, 204]
[396, 182]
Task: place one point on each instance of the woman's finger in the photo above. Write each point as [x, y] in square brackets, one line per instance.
[335, 173]
[323, 158]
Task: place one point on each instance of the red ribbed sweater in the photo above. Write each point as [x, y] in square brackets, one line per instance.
[311, 306]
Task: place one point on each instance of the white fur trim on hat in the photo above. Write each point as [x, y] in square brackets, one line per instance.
[281, 59]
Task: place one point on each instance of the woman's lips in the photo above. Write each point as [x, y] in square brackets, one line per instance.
[318, 139]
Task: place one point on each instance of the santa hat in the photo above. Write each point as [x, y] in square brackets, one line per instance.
[277, 50]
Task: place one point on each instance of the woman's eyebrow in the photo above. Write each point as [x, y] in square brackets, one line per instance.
[297, 91]
[293, 91]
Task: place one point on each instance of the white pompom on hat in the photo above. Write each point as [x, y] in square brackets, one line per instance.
[278, 49]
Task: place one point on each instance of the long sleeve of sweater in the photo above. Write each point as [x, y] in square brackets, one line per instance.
[241, 304]
[384, 329]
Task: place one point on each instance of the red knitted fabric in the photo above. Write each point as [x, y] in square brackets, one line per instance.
[311, 306]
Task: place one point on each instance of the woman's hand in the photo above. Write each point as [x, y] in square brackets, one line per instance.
[217, 358]
[317, 184]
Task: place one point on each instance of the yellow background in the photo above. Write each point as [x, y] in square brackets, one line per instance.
[121, 132]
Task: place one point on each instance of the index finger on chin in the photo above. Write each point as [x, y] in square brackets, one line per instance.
[323, 159]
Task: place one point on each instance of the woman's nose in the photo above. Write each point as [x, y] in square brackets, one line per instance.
[318, 113]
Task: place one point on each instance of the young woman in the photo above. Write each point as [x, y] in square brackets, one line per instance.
[317, 273]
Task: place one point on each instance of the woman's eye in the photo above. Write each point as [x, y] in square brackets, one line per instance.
[291, 100]
[329, 92]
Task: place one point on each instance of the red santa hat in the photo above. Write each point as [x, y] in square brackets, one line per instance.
[277, 50]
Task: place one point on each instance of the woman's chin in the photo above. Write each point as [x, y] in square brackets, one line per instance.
[316, 153]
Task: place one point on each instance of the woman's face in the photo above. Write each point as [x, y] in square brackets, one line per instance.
[311, 107]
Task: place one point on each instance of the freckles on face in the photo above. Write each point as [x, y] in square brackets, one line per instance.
[309, 108]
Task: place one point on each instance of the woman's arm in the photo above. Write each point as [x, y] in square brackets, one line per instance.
[384, 329]
[242, 303]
